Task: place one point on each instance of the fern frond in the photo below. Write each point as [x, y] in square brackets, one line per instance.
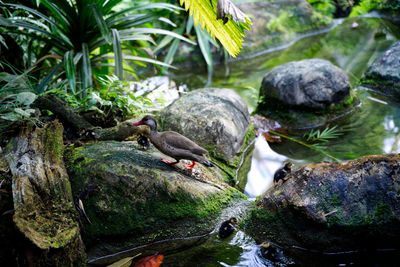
[230, 34]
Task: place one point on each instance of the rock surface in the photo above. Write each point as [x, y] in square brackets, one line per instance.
[277, 22]
[333, 206]
[310, 83]
[132, 198]
[215, 118]
[384, 74]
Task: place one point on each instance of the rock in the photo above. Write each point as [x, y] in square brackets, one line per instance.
[133, 199]
[278, 22]
[310, 83]
[333, 206]
[215, 118]
[384, 74]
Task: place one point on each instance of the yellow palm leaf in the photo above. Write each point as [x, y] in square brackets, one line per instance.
[230, 34]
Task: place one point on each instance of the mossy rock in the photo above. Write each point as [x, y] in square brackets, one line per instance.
[384, 74]
[218, 120]
[132, 198]
[333, 206]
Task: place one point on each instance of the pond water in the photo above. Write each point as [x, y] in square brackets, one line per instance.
[373, 128]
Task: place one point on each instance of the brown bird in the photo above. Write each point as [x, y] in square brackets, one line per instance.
[174, 145]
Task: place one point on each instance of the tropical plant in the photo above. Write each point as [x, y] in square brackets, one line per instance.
[323, 136]
[222, 19]
[15, 99]
[77, 39]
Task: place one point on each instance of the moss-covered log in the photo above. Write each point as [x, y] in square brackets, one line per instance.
[44, 209]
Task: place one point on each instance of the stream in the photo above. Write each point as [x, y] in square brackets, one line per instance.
[373, 128]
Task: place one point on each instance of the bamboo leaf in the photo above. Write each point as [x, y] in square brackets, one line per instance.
[119, 71]
[172, 50]
[105, 31]
[69, 67]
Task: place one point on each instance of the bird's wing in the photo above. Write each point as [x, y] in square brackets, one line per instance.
[179, 141]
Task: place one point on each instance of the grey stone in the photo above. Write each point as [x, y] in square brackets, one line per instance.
[310, 83]
[215, 118]
[333, 206]
[384, 73]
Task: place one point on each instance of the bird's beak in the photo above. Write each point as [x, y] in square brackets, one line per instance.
[138, 123]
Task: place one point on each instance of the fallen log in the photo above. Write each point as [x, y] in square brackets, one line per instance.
[42, 197]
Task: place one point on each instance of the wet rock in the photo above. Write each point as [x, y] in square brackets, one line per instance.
[215, 118]
[310, 83]
[133, 199]
[329, 207]
[384, 74]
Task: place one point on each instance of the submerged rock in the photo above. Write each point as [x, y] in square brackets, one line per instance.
[132, 198]
[384, 74]
[216, 119]
[310, 83]
[333, 206]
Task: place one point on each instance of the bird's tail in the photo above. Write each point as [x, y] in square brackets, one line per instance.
[207, 163]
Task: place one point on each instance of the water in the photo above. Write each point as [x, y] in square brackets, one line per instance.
[373, 128]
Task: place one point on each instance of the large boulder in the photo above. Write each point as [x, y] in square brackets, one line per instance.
[217, 119]
[384, 73]
[310, 83]
[132, 199]
[333, 206]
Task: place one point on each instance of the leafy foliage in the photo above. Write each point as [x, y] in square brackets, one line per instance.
[113, 100]
[324, 136]
[326, 7]
[365, 6]
[229, 33]
[15, 99]
[79, 38]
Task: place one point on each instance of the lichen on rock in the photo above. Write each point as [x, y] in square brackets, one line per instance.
[333, 206]
[131, 193]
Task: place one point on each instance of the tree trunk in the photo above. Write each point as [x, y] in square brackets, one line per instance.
[43, 204]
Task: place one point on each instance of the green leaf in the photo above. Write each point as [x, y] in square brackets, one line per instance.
[86, 67]
[204, 45]
[11, 116]
[155, 31]
[229, 34]
[46, 80]
[171, 51]
[24, 113]
[119, 71]
[149, 60]
[69, 67]
[105, 31]
[26, 98]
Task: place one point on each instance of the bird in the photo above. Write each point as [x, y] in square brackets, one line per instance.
[174, 145]
[282, 173]
[227, 227]
[271, 251]
[143, 141]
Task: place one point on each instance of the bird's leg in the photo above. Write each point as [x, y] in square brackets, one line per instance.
[189, 167]
[169, 162]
